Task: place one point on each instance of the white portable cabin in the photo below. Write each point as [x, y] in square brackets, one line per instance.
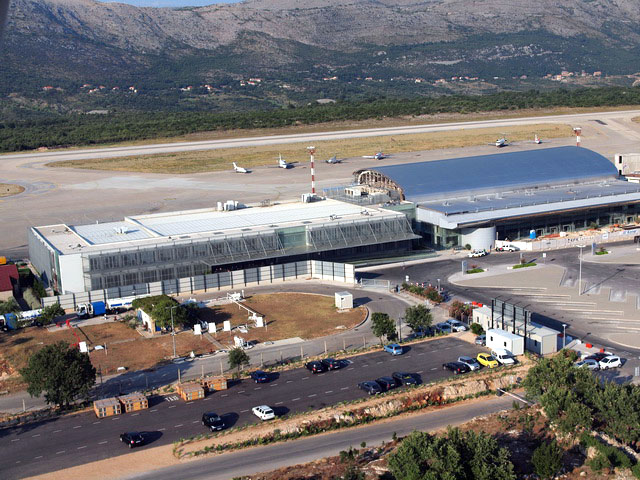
[501, 339]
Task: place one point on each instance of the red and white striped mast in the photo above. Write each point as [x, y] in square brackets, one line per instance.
[312, 151]
[577, 131]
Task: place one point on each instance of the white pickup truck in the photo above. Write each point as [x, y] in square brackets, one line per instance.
[507, 248]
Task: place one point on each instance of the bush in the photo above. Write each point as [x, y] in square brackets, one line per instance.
[467, 246]
[599, 462]
[32, 299]
[547, 459]
[39, 289]
[477, 329]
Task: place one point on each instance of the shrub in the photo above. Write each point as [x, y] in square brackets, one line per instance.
[32, 299]
[477, 329]
[467, 246]
[547, 459]
[599, 462]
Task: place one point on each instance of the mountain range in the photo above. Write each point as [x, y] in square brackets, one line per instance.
[300, 49]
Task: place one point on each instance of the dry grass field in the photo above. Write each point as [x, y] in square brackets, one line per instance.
[251, 157]
[8, 189]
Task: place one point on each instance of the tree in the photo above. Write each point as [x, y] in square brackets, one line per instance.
[477, 329]
[10, 306]
[382, 326]
[51, 312]
[547, 460]
[64, 374]
[161, 308]
[454, 456]
[238, 358]
[418, 317]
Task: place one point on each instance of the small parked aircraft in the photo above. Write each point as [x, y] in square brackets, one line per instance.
[282, 163]
[377, 156]
[333, 160]
[238, 169]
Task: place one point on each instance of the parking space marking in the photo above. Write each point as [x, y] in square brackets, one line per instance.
[56, 431]
[241, 391]
[364, 366]
[295, 399]
[196, 421]
[170, 406]
[205, 399]
[38, 457]
[77, 426]
[154, 410]
[422, 353]
[279, 403]
[178, 425]
[102, 443]
[312, 395]
[60, 452]
[258, 388]
[420, 371]
[36, 435]
[344, 388]
[188, 403]
[305, 378]
[289, 381]
[80, 448]
[118, 418]
[244, 411]
[273, 385]
[350, 368]
[225, 395]
[378, 363]
[15, 440]
[328, 391]
[161, 429]
[96, 423]
[434, 368]
[393, 359]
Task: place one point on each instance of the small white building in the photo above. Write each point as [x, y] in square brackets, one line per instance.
[501, 339]
[537, 338]
[344, 300]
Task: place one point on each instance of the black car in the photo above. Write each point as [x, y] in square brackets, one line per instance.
[259, 376]
[372, 388]
[315, 367]
[598, 356]
[404, 378]
[386, 383]
[133, 439]
[331, 363]
[456, 367]
[213, 421]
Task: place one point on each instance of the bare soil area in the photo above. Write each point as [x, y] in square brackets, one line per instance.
[250, 157]
[9, 189]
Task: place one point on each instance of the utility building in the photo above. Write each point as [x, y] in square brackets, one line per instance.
[515, 195]
[166, 246]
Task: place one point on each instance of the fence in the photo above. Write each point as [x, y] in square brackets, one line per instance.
[373, 283]
[339, 272]
[556, 243]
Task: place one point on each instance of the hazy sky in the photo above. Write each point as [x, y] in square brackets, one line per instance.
[169, 3]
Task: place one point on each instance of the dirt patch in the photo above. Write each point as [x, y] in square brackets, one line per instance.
[9, 189]
[287, 315]
[217, 160]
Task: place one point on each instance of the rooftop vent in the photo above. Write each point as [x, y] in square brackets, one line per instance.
[446, 203]
[245, 229]
[121, 230]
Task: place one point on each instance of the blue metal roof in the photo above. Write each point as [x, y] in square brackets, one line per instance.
[424, 181]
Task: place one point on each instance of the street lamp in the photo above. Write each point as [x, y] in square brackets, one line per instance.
[438, 285]
[564, 335]
[580, 271]
[173, 331]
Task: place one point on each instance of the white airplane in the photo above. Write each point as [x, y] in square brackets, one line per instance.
[333, 160]
[377, 156]
[238, 169]
[282, 163]
[501, 142]
[536, 139]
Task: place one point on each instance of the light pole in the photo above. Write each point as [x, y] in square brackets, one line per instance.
[438, 285]
[580, 271]
[564, 335]
[173, 331]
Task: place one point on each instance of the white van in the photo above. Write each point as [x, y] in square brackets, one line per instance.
[505, 357]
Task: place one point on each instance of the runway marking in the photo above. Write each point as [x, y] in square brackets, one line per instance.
[178, 425]
[295, 399]
[77, 426]
[38, 457]
[80, 448]
[60, 452]
[36, 435]
[344, 388]
[312, 395]
[154, 410]
[56, 431]
[170, 406]
[328, 391]
[102, 443]
[15, 440]
[244, 411]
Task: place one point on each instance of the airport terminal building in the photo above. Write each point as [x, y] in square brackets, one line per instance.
[477, 200]
[143, 249]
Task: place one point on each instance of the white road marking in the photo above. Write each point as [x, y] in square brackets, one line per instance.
[118, 418]
[328, 391]
[365, 366]
[15, 440]
[154, 410]
[241, 391]
[434, 368]
[273, 385]
[312, 395]
[295, 399]
[36, 435]
[18, 461]
[393, 359]
[196, 421]
[289, 381]
[279, 403]
[378, 363]
[344, 388]
[161, 429]
[56, 431]
[244, 411]
[80, 448]
[420, 371]
[422, 353]
[102, 443]
[350, 368]
[60, 452]
[189, 403]
[178, 425]
[225, 395]
[305, 378]
[38, 457]
[208, 398]
[77, 426]
[258, 388]
[172, 406]
[96, 423]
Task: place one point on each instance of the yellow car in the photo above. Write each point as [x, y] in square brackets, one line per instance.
[487, 360]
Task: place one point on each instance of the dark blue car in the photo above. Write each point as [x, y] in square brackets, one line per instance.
[259, 376]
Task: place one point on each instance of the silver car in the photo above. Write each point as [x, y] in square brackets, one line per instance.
[589, 363]
[456, 325]
[472, 363]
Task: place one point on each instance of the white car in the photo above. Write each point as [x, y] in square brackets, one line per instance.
[456, 325]
[477, 253]
[264, 412]
[503, 356]
[611, 361]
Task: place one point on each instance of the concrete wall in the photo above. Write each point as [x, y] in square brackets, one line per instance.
[71, 277]
[479, 238]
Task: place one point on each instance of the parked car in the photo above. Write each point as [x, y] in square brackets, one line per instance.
[404, 378]
[331, 363]
[315, 367]
[264, 412]
[472, 363]
[457, 325]
[487, 360]
[481, 340]
[477, 253]
[213, 421]
[505, 357]
[259, 376]
[393, 349]
[598, 356]
[386, 383]
[422, 332]
[443, 327]
[610, 361]
[132, 439]
[456, 367]
[372, 388]
[589, 363]
[507, 248]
